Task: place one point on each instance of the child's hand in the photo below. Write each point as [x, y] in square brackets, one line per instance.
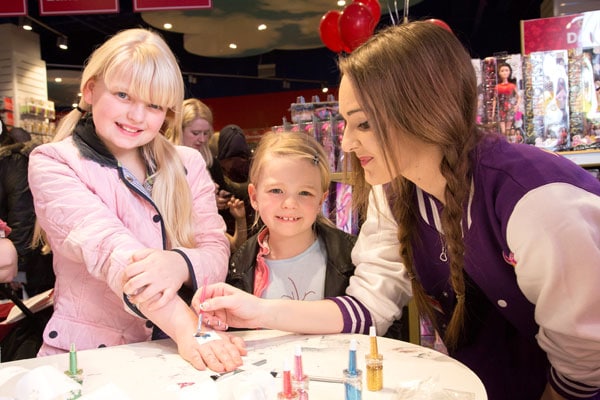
[154, 277]
[219, 355]
[236, 208]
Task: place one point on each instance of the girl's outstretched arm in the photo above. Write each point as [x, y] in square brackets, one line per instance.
[228, 306]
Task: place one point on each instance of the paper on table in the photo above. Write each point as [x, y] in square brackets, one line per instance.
[249, 385]
[8, 373]
[45, 383]
[206, 389]
[429, 389]
[108, 391]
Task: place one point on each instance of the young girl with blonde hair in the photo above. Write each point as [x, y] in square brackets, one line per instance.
[298, 254]
[131, 219]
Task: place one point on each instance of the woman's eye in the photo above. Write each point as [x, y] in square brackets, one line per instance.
[155, 107]
[364, 125]
[122, 95]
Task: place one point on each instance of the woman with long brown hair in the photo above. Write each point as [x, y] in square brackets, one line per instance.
[499, 243]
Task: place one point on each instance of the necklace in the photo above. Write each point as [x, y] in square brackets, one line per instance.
[444, 253]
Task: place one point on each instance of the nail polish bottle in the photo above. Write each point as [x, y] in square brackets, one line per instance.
[288, 393]
[352, 376]
[74, 373]
[299, 378]
[374, 362]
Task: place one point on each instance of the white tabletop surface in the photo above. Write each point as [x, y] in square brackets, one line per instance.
[154, 370]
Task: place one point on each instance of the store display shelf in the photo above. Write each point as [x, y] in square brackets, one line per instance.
[583, 158]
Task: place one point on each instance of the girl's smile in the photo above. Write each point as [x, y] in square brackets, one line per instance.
[123, 122]
[288, 198]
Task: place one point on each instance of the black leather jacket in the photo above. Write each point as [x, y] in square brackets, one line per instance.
[16, 203]
[16, 209]
[338, 244]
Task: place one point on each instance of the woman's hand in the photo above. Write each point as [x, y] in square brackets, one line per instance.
[154, 277]
[218, 355]
[227, 306]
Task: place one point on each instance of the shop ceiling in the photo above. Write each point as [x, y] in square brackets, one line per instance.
[292, 59]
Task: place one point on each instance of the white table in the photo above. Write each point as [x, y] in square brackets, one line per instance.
[154, 370]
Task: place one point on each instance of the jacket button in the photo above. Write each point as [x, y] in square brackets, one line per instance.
[502, 303]
[149, 324]
[53, 334]
[156, 218]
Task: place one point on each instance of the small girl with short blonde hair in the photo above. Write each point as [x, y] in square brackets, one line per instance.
[298, 254]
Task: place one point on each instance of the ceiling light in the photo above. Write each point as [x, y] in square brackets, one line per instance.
[341, 3]
[62, 42]
[262, 27]
[58, 79]
[167, 25]
[232, 46]
[324, 88]
[25, 23]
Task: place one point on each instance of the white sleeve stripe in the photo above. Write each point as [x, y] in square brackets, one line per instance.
[356, 312]
[570, 387]
[421, 202]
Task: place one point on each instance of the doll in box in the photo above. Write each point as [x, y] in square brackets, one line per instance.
[507, 99]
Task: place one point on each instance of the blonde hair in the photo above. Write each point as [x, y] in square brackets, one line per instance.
[143, 58]
[291, 145]
[194, 109]
[417, 79]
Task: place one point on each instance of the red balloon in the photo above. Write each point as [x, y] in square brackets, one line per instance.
[441, 23]
[374, 7]
[356, 25]
[330, 32]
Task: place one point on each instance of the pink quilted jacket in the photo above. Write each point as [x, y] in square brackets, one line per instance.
[94, 222]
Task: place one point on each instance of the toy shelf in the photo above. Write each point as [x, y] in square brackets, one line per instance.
[583, 158]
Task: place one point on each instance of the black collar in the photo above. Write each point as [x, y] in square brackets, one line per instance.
[90, 145]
